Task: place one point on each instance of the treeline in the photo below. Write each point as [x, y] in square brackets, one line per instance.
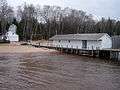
[44, 22]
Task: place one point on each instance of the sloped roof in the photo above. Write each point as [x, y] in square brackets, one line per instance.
[89, 36]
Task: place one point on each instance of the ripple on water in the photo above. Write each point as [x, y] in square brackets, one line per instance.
[55, 71]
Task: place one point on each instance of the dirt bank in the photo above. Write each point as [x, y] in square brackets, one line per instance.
[9, 48]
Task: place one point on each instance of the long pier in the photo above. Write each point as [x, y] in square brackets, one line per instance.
[108, 54]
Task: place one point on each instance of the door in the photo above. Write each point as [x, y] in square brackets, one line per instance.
[84, 44]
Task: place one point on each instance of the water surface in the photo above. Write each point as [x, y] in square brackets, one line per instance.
[57, 71]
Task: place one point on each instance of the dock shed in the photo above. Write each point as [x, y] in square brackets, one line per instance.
[89, 41]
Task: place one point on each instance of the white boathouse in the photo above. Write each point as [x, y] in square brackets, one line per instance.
[91, 41]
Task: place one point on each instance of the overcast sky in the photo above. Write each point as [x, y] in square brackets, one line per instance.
[99, 8]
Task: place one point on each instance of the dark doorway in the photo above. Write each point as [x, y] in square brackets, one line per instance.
[84, 44]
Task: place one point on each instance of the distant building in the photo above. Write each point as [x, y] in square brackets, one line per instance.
[11, 34]
[1, 37]
[116, 42]
[83, 41]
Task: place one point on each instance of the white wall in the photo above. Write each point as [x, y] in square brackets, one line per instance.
[12, 36]
[76, 44]
[93, 45]
[106, 42]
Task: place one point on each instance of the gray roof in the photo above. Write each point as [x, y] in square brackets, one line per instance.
[89, 36]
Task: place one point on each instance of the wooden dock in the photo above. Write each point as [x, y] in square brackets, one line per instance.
[108, 54]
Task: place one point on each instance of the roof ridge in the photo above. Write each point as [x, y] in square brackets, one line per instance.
[85, 36]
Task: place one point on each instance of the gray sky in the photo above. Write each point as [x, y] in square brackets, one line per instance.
[99, 8]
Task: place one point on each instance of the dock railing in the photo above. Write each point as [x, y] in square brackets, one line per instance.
[113, 54]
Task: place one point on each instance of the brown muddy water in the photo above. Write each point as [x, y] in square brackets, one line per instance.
[56, 71]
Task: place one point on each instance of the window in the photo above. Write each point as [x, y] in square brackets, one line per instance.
[84, 44]
[69, 41]
[59, 40]
[100, 40]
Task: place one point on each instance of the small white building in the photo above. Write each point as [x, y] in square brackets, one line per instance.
[11, 34]
[83, 41]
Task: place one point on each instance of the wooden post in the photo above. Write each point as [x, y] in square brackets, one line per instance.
[61, 48]
[117, 54]
[92, 51]
[110, 54]
[77, 50]
[71, 49]
[56, 47]
[98, 54]
[39, 44]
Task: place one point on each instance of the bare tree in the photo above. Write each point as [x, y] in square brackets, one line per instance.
[6, 15]
[28, 16]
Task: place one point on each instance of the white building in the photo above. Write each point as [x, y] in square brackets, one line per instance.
[83, 41]
[11, 34]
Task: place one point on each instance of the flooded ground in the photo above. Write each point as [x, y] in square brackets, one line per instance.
[56, 71]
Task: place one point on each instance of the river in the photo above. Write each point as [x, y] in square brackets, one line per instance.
[57, 71]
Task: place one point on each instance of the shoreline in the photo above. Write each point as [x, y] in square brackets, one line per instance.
[11, 48]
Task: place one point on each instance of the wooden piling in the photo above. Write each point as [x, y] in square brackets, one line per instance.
[110, 54]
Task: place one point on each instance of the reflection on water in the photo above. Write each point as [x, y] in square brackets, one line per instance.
[55, 71]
